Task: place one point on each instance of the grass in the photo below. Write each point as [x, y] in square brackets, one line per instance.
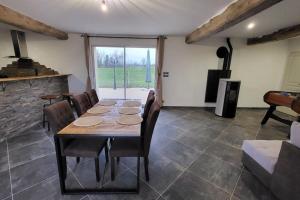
[136, 77]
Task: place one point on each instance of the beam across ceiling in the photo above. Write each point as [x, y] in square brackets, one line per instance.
[233, 14]
[14, 18]
[282, 34]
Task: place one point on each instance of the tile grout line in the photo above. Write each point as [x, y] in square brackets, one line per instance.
[31, 143]
[232, 194]
[204, 152]
[71, 171]
[145, 182]
[38, 157]
[236, 184]
[45, 180]
[10, 179]
[184, 170]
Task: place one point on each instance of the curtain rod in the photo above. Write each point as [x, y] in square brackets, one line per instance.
[124, 37]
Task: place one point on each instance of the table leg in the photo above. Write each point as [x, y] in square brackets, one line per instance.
[61, 165]
[138, 175]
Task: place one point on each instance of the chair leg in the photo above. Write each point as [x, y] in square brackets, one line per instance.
[48, 125]
[106, 154]
[146, 163]
[44, 116]
[118, 159]
[97, 169]
[77, 160]
[112, 168]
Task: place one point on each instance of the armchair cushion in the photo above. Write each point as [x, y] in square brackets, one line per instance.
[285, 183]
[264, 152]
[295, 134]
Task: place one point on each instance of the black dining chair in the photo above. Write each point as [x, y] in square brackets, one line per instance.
[136, 146]
[81, 103]
[93, 97]
[149, 102]
[60, 115]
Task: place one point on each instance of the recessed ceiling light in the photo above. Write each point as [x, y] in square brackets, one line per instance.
[250, 25]
[103, 6]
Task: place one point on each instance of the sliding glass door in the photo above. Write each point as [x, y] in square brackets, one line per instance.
[124, 72]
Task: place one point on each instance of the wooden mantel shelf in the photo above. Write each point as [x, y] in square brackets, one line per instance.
[30, 77]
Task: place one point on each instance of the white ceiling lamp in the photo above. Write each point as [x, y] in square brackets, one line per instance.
[103, 6]
[250, 25]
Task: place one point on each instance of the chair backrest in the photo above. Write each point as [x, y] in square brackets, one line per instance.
[81, 103]
[59, 115]
[93, 97]
[149, 126]
[150, 100]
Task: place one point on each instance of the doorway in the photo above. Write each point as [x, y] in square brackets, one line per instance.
[124, 72]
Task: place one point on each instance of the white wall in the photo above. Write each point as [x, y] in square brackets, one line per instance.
[260, 68]
[65, 56]
[187, 66]
[294, 44]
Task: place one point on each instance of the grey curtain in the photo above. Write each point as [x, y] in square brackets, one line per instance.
[159, 66]
[87, 61]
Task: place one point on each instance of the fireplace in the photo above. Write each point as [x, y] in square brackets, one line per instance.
[24, 66]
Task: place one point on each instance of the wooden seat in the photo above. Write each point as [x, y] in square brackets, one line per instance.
[50, 97]
[68, 96]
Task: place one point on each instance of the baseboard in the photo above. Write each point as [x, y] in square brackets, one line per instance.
[208, 107]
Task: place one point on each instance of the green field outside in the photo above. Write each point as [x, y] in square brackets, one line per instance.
[136, 77]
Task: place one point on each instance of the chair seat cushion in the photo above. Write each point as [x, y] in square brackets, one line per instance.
[125, 147]
[85, 147]
[264, 152]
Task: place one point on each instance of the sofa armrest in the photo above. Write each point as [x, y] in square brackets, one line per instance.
[285, 181]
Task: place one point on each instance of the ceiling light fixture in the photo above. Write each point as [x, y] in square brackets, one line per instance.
[103, 6]
[250, 26]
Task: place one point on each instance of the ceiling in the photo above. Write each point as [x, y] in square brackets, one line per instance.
[137, 17]
[150, 17]
[281, 15]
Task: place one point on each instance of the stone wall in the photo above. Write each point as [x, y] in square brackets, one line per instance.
[20, 103]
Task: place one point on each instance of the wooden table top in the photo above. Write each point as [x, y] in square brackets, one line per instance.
[108, 128]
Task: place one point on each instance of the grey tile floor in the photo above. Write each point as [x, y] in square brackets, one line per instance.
[194, 155]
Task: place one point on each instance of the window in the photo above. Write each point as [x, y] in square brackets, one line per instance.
[124, 72]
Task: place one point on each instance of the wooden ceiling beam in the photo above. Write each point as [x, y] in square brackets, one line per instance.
[14, 18]
[233, 14]
[282, 34]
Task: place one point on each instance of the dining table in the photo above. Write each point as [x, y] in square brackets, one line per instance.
[109, 128]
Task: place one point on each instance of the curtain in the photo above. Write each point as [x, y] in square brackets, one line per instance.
[159, 66]
[87, 61]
